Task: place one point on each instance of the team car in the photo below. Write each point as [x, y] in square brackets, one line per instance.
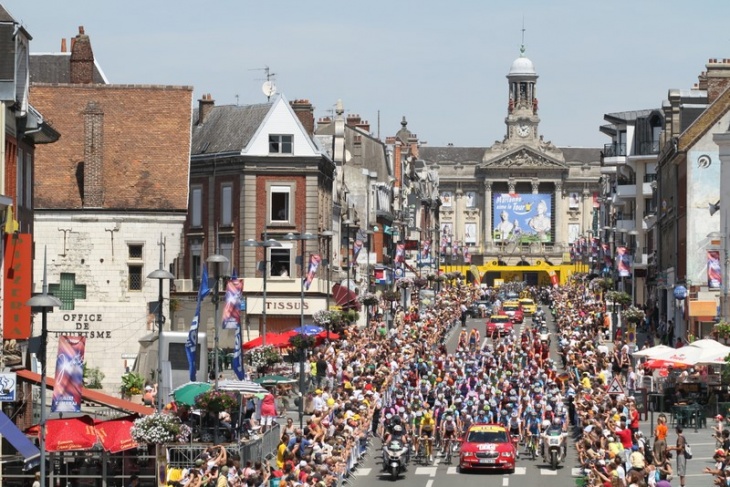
[514, 311]
[487, 446]
[499, 323]
[528, 306]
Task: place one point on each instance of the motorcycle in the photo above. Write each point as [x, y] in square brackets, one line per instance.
[554, 448]
[394, 458]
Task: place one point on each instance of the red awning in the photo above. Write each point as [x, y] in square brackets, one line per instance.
[345, 298]
[70, 434]
[274, 339]
[116, 434]
[92, 395]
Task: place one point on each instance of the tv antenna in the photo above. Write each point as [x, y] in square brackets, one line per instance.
[269, 87]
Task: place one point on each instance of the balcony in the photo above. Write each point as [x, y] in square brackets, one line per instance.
[647, 189]
[648, 148]
[614, 150]
[626, 191]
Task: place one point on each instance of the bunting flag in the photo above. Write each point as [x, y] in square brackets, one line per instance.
[400, 253]
[623, 262]
[454, 249]
[444, 244]
[231, 318]
[314, 261]
[607, 261]
[425, 249]
[714, 270]
[69, 375]
[475, 273]
[357, 246]
[467, 255]
[191, 344]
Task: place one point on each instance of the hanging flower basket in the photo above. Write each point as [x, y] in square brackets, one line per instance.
[301, 341]
[722, 330]
[404, 282]
[159, 428]
[262, 357]
[323, 317]
[633, 314]
[216, 401]
[391, 295]
[369, 299]
[618, 297]
[420, 282]
[431, 277]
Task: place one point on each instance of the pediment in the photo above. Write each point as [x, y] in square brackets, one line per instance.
[523, 158]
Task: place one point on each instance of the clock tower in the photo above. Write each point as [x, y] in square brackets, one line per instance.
[522, 119]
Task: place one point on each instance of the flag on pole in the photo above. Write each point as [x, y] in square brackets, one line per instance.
[314, 261]
[357, 245]
[237, 363]
[191, 344]
[466, 254]
[714, 269]
[231, 317]
[69, 375]
[425, 249]
[400, 253]
[624, 262]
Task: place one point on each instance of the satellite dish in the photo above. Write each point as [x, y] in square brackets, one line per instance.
[268, 88]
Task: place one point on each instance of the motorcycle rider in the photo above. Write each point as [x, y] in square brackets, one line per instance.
[552, 428]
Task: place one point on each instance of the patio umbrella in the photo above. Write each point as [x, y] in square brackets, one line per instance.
[332, 335]
[186, 393]
[116, 434]
[241, 386]
[274, 339]
[652, 351]
[274, 379]
[310, 330]
[653, 364]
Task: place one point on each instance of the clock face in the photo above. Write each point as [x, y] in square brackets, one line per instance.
[523, 130]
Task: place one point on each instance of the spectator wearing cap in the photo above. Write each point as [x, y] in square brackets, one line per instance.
[318, 402]
[150, 395]
[721, 462]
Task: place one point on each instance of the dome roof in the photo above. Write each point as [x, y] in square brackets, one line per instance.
[522, 66]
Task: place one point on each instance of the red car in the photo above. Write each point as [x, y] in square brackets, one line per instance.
[487, 446]
[501, 324]
[513, 309]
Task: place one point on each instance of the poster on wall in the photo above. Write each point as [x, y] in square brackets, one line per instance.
[470, 233]
[573, 232]
[523, 218]
[471, 199]
[574, 201]
[446, 199]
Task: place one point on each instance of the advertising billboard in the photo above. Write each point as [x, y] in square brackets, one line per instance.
[522, 218]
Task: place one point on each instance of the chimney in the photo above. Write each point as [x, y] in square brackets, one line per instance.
[718, 78]
[93, 174]
[205, 106]
[305, 113]
[82, 59]
[63, 45]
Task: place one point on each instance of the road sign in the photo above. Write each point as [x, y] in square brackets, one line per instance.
[616, 388]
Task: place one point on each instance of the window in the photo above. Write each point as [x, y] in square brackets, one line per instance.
[226, 205]
[134, 266]
[279, 201]
[196, 251]
[225, 244]
[280, 259]
[280, 144]
[68, 291]
[196, 207]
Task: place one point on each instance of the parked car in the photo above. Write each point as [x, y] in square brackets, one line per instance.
[487, 446]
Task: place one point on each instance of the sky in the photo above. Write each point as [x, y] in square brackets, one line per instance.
[441, 64]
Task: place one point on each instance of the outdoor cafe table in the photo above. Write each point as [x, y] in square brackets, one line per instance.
[688, 415]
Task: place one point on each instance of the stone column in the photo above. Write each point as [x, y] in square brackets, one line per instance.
[535, 185]
[559, 233]
[487, 232]
[511, 185]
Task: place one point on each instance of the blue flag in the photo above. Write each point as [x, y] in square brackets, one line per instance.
[191, 344]
[237, 355]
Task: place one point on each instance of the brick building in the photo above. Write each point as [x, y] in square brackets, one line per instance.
[114, 186]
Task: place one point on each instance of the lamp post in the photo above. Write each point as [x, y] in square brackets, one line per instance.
[328, 235]
[44, 303]
[160, 274]
[266, 244]
[216, 260]
[301, 237]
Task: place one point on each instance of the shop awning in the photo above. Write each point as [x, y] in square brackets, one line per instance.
[20, 442]
[345, 298]
[92, 395]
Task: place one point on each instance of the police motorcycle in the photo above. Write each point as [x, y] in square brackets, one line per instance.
[554, 443]
[395, 453]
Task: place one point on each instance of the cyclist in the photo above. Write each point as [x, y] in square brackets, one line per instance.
[425, 431]
[532, 429]
[449, 430]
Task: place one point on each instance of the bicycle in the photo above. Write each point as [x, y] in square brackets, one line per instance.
[424, 449]
[531, 447]
[449, 443]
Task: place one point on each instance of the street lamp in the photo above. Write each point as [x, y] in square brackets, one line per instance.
[327, 235]
[215, 261]
[44, 303]
[301, 237]
[266, 243]
[160, 274]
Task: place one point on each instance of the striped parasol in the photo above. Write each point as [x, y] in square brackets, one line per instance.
[241, 386]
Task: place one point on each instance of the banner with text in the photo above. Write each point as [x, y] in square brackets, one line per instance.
[522, 218]
[69, 375]
[714, 270]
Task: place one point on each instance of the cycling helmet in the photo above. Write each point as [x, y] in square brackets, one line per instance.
[388, 415]
[514, 414]
[397, 428]
[546, 423]
[548, 408]
[486, 407]
[556, 421]
[504, 412]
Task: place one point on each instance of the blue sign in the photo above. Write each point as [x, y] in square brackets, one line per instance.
[7, 386]
[242, 304]
[680, 292]
[522, 218]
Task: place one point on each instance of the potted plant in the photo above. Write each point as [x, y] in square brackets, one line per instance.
[262, 357]
[160, 428]
[132, 386]
[722, 330]
[93, 377]
[216, 401]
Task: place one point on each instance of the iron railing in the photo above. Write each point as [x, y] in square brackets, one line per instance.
[613, 150]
